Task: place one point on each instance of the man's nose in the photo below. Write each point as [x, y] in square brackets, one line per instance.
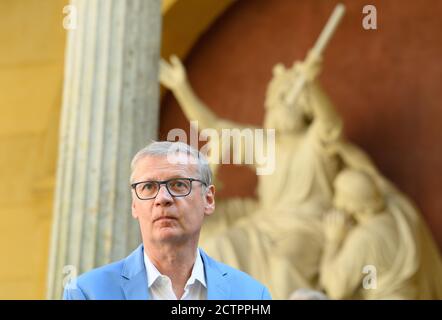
[163, 197]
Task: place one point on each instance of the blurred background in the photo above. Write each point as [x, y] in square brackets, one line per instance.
[386, 84]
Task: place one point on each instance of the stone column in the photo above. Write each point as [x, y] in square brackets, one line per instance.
[110, 110]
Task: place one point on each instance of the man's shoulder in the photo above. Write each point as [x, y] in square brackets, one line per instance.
[104, 273]
[246, 287]
[237, 275]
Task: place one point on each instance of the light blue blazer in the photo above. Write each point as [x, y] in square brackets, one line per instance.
[127, 280]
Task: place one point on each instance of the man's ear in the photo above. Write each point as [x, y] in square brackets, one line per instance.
[134, 209]
[209, 206]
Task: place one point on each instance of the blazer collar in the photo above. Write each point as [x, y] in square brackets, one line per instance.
[218, 286]
[135, 278]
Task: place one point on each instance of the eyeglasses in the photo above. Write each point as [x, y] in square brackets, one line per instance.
[178, 187]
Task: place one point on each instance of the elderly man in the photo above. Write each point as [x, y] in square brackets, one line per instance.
[172, 192]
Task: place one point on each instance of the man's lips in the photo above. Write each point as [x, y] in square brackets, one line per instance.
[165, 218]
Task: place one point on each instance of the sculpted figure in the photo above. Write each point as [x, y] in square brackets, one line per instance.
[264, 237]
[278, 238]
[376, 245]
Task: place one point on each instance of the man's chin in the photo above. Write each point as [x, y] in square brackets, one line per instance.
[168, 233]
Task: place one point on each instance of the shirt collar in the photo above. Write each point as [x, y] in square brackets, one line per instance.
[197, 271]
[152, 272]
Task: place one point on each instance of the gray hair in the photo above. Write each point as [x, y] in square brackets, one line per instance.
[165, 148]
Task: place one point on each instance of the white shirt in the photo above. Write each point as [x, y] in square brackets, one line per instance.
[160, 286]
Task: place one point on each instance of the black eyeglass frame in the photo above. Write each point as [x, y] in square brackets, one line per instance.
[165, 182]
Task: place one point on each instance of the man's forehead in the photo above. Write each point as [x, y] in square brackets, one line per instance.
[174, 165]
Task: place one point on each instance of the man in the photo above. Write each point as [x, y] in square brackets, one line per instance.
[172, 192]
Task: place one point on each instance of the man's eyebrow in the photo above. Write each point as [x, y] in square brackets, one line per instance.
[174, 176]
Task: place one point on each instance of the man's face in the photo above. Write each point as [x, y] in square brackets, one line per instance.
[166, 218]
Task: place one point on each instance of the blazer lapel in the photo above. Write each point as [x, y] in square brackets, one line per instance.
[218, 286]
[134, 282]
